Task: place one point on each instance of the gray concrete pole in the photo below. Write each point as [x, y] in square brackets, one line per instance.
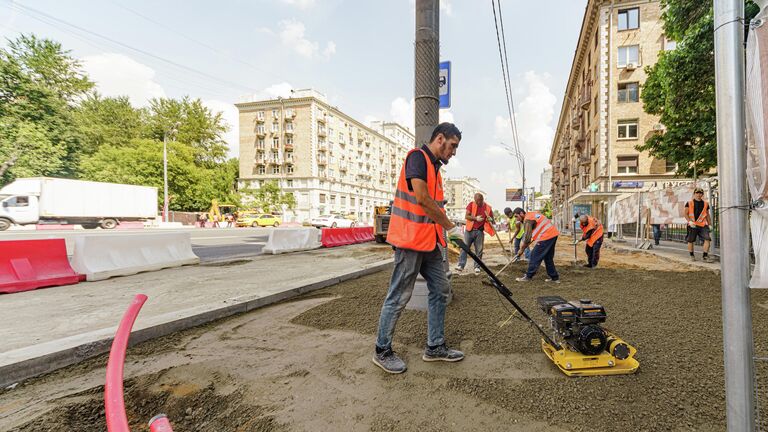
[731, 167]
[165, 177]
[426, 64]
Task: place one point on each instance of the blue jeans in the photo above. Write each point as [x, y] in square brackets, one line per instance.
[543, 251]
[408, 264]
[474, 237]
[517, 248]
[656, 233]
[593, 252]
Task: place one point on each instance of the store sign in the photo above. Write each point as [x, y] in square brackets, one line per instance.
[628, 184]
[514, 194]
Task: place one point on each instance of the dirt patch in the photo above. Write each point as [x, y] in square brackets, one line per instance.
[305, 364]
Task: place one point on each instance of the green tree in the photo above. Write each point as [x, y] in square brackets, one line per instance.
[680, 88]
[199, 127]
[40, 85]
[107, 121]
[269, 197]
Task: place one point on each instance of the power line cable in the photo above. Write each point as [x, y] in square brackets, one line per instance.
[28, 11]
[509, 79]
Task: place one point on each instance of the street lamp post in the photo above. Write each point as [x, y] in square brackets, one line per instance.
[165, 169]
[521, 160]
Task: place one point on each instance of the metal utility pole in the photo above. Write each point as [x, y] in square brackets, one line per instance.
[165, 170]
[731, 167]
[426, 62]
[521, 160]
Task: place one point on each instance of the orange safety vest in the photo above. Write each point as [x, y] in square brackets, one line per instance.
[487, 227]
[544, 229]
[592, 223]
[702, 220]
[409, 226]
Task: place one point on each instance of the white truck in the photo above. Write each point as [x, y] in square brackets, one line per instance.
[90, 204]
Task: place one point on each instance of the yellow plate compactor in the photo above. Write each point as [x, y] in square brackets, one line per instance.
[578, 345]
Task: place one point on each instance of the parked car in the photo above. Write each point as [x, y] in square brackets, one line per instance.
[257, 220]
[332, 221]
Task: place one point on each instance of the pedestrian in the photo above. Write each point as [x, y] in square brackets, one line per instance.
[203, 219]
[592, 231]
[516, 237]
[229, 220]
[478, 216]
[656, 233]
[415, 230]
[216, 219]
[543, 233]
[697, 214]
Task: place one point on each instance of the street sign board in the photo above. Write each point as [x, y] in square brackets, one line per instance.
[628, 184]
[514, 194]
[445, 84]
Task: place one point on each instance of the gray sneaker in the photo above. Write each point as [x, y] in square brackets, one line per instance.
[523, 278]
[442, 353]
[389, 361]
[557, 281]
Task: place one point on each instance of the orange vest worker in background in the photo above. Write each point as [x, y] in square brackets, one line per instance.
[479, 215]
[592, 231]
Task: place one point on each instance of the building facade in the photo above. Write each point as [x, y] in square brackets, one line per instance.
[593, 158]
[458, 193]
[332, 163]
[546, 181]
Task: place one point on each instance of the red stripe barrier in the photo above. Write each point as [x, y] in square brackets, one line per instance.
[332, 237]
[29, 264]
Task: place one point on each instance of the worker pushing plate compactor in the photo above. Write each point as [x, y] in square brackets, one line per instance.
[579, 346]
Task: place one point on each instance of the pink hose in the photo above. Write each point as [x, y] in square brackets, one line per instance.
[114, 406]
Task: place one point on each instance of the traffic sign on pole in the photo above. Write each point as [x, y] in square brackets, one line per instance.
[445, 84]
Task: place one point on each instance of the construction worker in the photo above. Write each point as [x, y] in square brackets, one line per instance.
[479, 216]
[516, 236]
[416, 231]
[697, 214]
[542, 232]
[592, 231]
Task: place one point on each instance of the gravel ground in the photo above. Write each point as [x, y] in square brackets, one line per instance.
[305, 364]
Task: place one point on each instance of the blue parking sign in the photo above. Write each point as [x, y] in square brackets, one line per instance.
[445, 84]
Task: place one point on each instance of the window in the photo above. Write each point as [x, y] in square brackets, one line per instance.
[260, 129]
[670, 166]
[627, 164]
[628, 129]
[629, 19]
[352, 201]
[275, 142]
[276, 169]
[289, 170]
[260, 143]
[289, 127]
[289, 182]
[322, 198]
[629, 92]
[333, 199]
[289, 156]
[274, 113]
[629, 54]
[669, 44]
[275, 127]
[261, 169]
[19, 201]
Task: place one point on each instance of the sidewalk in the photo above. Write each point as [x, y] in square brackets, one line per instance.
[673, 251]
[49, 328]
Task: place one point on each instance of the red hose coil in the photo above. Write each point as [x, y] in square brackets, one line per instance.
[114, 405]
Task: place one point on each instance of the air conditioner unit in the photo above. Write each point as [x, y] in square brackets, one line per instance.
[658, 127]
[631, 66]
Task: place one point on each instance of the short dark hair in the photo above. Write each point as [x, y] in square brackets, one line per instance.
[518, 210]
[507, 210]
[449, 130]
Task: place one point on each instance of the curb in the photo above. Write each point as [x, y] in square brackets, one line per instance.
[671, 257]
[28, 362]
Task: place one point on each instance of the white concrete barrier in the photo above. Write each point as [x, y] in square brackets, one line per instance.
[103, 256]
[282, 240]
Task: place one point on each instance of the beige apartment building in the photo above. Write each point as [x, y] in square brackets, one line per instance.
[331, 162]
[593, 156]
[459, 192]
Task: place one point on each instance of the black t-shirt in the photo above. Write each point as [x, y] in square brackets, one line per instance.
[698, 207]
[416, 166]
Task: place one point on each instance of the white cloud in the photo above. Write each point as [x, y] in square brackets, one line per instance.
[446, 7]
[368, 119]
[301, 4]
[292, 35]
[402, 111]
[232, 118]
[495, 150]
[446, 116]
[119, 75]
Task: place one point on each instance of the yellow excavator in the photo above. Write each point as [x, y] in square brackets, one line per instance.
[381, 216]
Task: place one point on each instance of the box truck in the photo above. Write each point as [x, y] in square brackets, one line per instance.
[90, 204]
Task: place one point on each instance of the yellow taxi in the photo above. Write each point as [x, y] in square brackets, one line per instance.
[257, 220]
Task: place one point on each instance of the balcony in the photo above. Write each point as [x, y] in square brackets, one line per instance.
[585, 98]
[580, 143]
[261, 133]
[289, 132]
[322, 118]
[322, 161]
[584, 160]
[290, 115]
[289, 146]
[576, 120]
[260, 118]
[322, 146]
[321, 132]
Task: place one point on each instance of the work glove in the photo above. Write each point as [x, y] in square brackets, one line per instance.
[575, 242]
[479, 218]
[516, 258]
[691, 224]
[456, 237]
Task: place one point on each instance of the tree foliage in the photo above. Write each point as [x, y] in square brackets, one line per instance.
[270, 198]
[680, 88]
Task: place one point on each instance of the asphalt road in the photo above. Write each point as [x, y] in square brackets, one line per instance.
[209, 244]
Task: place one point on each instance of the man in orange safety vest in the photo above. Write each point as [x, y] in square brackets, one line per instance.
[478, 217]
[592, 231]
[539, 230]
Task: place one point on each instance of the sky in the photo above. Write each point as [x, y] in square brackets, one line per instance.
[359, 53]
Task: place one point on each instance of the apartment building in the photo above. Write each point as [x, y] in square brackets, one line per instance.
[459, 192]
[331, 162]
[593, 157]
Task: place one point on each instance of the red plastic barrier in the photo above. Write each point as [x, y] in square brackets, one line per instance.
[332, 237]
[45, 227]
[29, 264]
